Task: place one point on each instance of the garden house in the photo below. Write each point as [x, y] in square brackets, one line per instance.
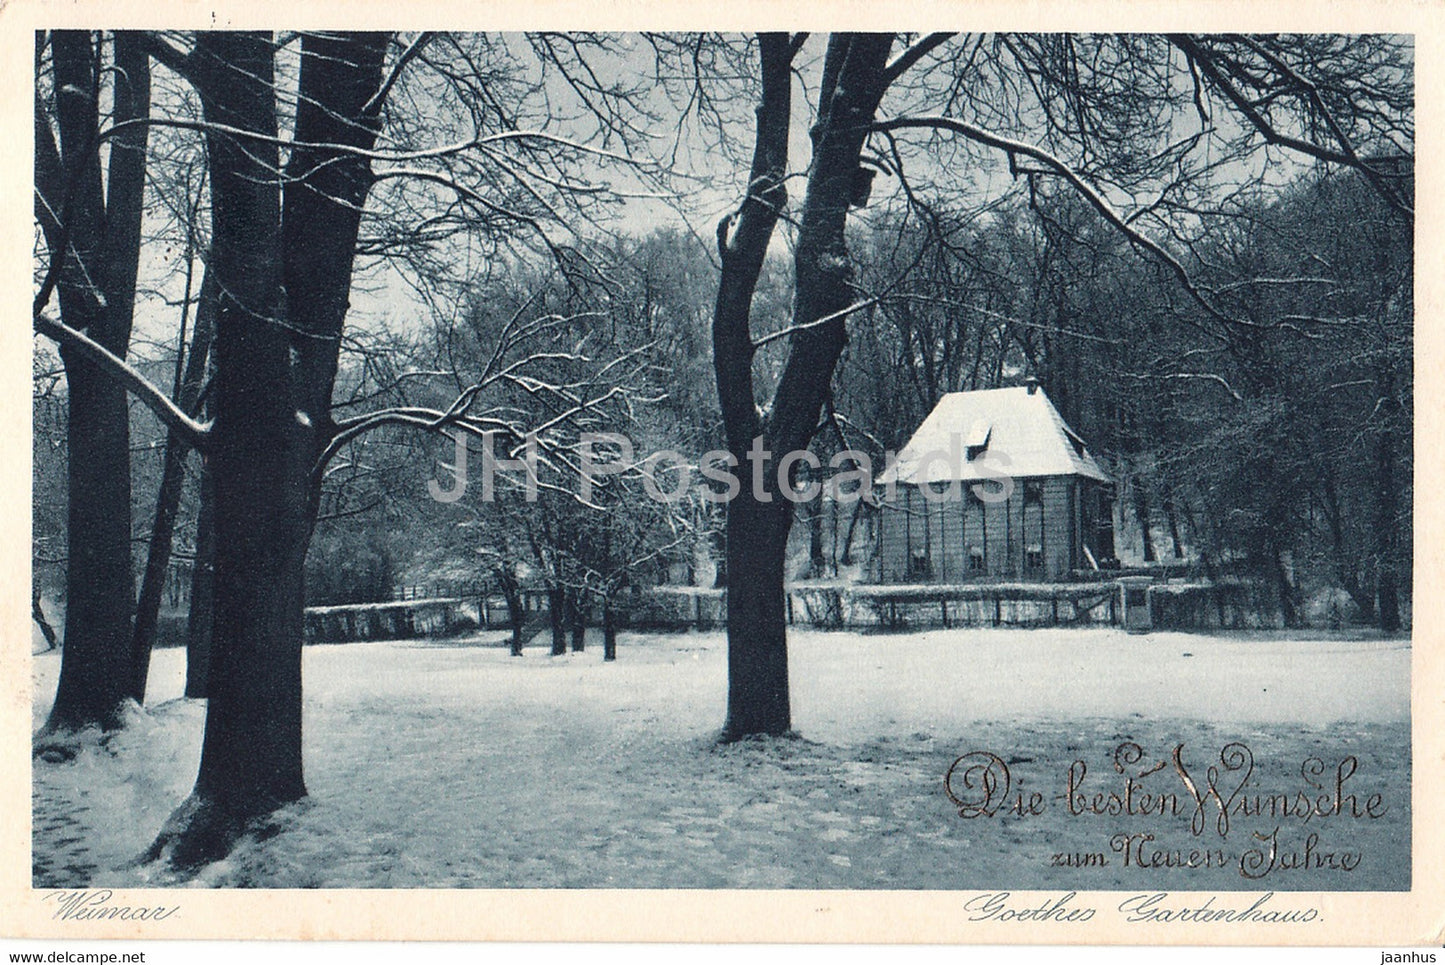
[1016, 495]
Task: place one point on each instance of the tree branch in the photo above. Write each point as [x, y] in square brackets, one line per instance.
[414, 48]
[913, 55]
[1089, 192]
[373, 154]
[173, 58]
[817, 322]
[193, 433]
[1209, 66]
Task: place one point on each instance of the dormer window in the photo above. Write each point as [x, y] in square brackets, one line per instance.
[1075, 441]
[976, 442]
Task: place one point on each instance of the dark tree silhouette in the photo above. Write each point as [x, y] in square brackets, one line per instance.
[92, 230]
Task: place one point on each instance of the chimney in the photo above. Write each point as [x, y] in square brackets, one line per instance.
[1031, 382]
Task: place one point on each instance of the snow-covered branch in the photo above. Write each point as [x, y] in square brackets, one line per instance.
[1090, 194]
[412, 49]
[816, 323]
[914, 54]
[193, 433]
[374, 154]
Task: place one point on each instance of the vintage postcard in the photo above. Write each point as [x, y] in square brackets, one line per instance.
[783, 474]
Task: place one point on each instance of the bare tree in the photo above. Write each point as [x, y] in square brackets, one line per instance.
[92, 229]
[1093, 114]
[192, 360]
[286, 216]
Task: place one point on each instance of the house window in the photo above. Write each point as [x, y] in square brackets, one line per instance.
[975, 538]
[918, 568]
[1033, 535]
[1103, 535]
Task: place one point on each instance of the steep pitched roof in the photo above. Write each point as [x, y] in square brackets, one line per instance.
[999, 432]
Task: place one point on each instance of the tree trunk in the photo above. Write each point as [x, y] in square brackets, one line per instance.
[1143, 513]
[854, 79]
[515, 615]
[158, 558]
[1172, 517]
[95, 661]
[1387, 502]
[556, 603]
[200, 617]
[852, 527]
[609, 631]
[720, 558]
[168, 499]
[1289, 612]
[517, 644]
[579, 623]
[101, 237]
[757, 643]
[1346, 570]
[37, 613]
[817, 558]
[251, 752]
[758, 695]
[284, 282]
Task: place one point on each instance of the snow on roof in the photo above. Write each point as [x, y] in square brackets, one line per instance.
[1022, 432]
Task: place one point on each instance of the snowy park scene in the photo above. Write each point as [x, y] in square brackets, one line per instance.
[914, 462]
[428, 767]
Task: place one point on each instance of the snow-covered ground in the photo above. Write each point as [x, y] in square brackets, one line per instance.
[452, 764]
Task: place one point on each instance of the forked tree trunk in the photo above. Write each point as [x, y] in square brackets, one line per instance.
[854, 79]
[101, 237]
[757, 644]
[275, 364]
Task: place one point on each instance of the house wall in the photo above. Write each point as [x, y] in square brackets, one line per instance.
[910, 526]
[1059, 548]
